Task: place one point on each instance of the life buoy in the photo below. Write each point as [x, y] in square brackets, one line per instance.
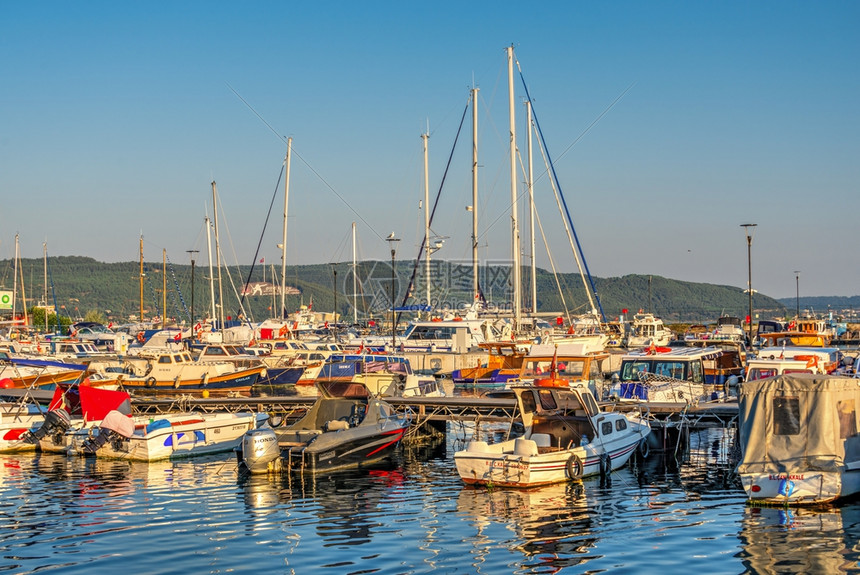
[150, 382]
[573, 466]
[141, 337]
[644, 448]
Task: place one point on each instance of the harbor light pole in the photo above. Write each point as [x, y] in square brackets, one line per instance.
[192, 252]
[797, 293]
[391, 239]
[750, 230]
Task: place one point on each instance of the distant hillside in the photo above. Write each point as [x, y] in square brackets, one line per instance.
[82, 284]
[822, 304]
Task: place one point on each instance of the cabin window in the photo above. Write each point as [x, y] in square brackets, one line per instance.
[547, 401]
[177, 359]
[164, 359]
[590, 404]
[630, 370]
[620, 424]
[606, 428]
[528, 400]
[847, 418]
[214, 351]
[786, 415]
[673, 369]
[696, 375]
[760, 373]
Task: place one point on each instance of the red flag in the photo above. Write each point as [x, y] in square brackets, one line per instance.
[624, 310]
[262, 260]
[748, 319]
[553, 367]
[110, 325]
[361, 349]
[178, 336]
[559, 321]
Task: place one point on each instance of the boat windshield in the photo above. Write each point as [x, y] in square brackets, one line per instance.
[567, 367]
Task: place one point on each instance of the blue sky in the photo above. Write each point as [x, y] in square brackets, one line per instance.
[117, 116]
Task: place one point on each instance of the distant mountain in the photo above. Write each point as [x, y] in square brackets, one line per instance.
[822, 304]
[80, 285]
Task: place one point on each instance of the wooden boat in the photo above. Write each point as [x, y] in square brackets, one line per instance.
[177, 373]
[31, 373]
[504, 362]
[566, 437]
[346, 427]
[799, 439]
[805, 332]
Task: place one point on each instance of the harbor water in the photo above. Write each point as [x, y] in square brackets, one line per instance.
[681, 512]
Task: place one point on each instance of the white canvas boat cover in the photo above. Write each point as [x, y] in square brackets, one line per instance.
[799, 422]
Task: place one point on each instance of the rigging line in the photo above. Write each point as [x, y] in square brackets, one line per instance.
[433, 211]
[260, 241]
[178, 291]
[305, 162]
[235, 258]
[558, 184]
[552, 265]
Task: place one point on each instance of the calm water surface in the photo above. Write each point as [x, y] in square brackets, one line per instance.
[74, 515]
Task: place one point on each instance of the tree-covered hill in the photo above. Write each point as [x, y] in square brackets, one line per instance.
[80, 285]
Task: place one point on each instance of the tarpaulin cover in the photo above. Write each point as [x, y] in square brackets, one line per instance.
[91, 403]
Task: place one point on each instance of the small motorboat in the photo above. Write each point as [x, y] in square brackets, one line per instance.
[171, 436]
[799, 439]
[346, 427]
[566, 437]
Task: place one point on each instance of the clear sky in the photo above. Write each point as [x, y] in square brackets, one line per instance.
[115, 117]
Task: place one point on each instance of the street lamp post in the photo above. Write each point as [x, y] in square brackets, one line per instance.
[797, 293]
[750, 230]
[391, 239]
[192, 252]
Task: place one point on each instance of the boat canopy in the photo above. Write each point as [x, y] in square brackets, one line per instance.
[798, 421]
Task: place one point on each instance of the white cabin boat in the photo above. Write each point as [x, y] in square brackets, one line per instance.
[648, 330]
[566, 437]
[799, 439]
[667, 375]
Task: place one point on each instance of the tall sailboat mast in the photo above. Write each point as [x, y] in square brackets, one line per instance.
[515, 231]
[424, 138]
[163, 288]
[15, 282]
[141, 276]
[531, 211]
[45, 270]
[218, 258]
[475, 284]
[283, 312]
[354, 280]
[211, 272]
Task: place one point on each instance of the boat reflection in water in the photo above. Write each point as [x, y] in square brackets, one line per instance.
[550, 526]
[800, 540]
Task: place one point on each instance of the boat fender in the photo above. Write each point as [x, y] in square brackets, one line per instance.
[141, 337]
[150, 382]
[644, 448]
[176, 382]
[605, 465]
[574, 466]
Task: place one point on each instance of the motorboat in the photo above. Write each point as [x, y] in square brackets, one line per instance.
[504, 362]
[384, 375]
[809, 332]
[799, 439]
[647, 330]
[177, 373]
[773, 361]
[569, 361]
[668, 375]
[567, 437]
[346, 427]
[22, 372]
[170, 436]
[16, 421]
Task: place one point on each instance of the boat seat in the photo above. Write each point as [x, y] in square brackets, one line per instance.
[479, 446]
[541, 439]
[525, 447]
[336, 425]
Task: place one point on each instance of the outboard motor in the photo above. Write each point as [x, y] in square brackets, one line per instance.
[56, 423]
[259, 450]
[115, 428]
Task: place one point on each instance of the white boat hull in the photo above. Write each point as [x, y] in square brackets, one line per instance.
[187, 435]
[796, 488]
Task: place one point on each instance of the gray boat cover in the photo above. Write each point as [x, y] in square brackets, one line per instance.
[798, 422]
